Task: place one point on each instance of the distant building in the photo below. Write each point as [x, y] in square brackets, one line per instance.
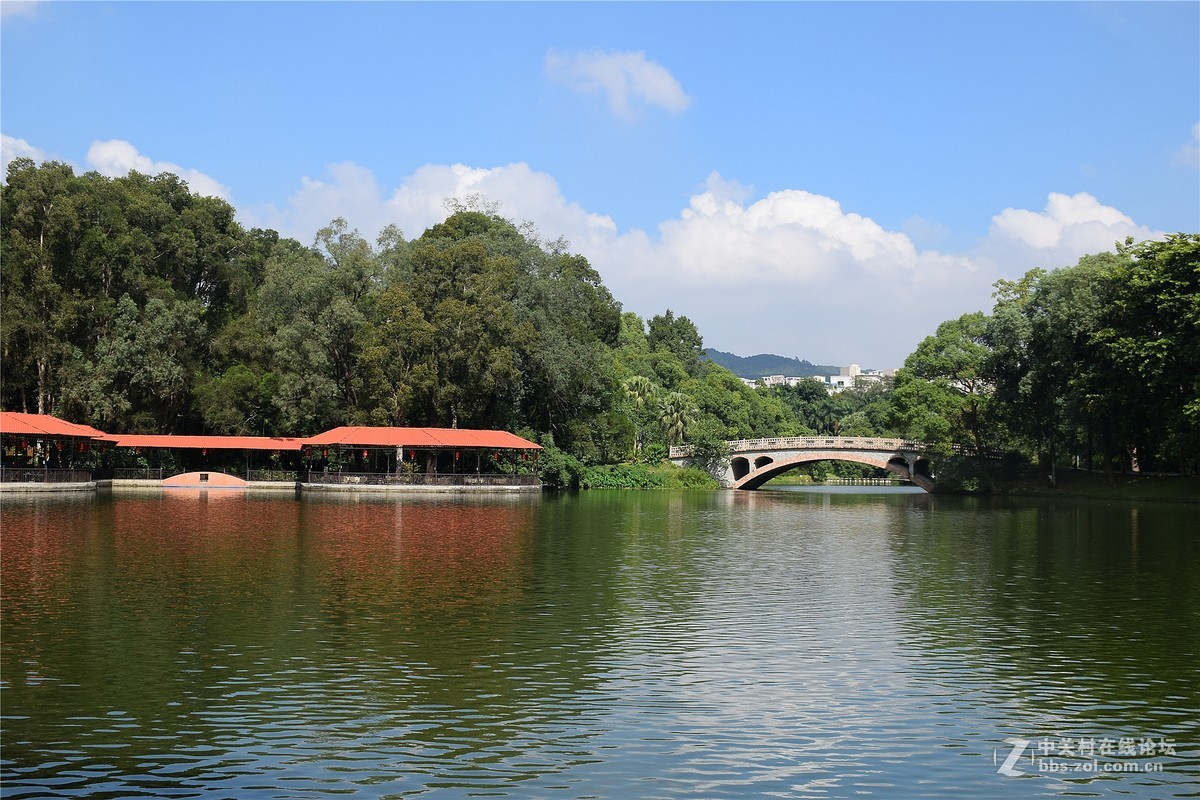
[779, 380]
[851, 377]
[854, 377]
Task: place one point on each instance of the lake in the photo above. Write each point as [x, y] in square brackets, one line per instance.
[795, 643]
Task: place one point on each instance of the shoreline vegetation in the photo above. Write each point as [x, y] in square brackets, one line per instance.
[134, 304]
[1076, 484]
[1097, 486]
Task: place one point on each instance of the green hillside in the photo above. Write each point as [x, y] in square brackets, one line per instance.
[764, 364]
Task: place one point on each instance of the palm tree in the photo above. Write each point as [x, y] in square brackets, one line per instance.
[676, 414]
[642, 391]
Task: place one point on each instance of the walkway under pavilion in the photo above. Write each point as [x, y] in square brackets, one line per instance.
[246, 459]
[39, 449]
[433, 457]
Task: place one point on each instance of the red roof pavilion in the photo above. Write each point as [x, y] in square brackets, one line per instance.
[424, 438]
[18, 423]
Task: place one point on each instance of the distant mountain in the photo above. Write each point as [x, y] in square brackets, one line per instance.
[764, 364]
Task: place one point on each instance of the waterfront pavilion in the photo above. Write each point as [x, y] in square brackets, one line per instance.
[39, 448]
[250, 458]
[446, 457]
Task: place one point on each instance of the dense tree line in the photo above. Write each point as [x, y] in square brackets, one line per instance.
[1094, 366]
[136, 306]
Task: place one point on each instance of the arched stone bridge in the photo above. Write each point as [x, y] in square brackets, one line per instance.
[753, 462]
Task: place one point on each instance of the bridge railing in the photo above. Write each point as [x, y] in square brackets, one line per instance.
[810, 443]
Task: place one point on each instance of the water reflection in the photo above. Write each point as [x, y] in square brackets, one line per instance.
[655, 644]
[1070, 620]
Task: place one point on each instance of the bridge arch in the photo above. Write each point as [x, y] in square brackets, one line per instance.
[740, 466]
[753, 462]
[894, 464]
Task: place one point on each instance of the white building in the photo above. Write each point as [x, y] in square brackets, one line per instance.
[850, 377]
[854, 377]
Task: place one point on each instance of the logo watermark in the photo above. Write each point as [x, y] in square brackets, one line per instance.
[1082, 754]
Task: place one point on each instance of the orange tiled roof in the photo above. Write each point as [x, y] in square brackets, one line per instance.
[22, 424]
[422, 437]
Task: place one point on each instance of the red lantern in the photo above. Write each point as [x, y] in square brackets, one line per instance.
[364, 454]
[324, 452]
[412, 455]
[456, 455]
[203, 451]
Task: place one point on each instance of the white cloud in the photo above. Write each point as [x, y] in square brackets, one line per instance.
[351, 192]
[1068, 227]
[792, 272]
[629, 79]
[12, 148]
[1189, 154]
[116, 158]
[18, 8]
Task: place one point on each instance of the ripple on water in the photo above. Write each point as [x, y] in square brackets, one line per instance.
[652, 645]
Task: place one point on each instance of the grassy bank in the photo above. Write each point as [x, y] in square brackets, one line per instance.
[1168, 489]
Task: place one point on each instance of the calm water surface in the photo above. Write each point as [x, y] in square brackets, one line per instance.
[784, 643]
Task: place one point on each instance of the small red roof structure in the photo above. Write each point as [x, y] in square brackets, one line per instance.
[18, 423]
[424, 438]
[205, 442]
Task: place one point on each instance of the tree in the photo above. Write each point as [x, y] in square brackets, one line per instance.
[312, 307]
[956, 358]
[41, 313]
[1051, 380]
[463, 279]
[924, 410]
[75, 246]
[641, 392]
[1149, 331]
[709, 450]
[140, 376]
[676, 413]
[569, 323]
[679, 337]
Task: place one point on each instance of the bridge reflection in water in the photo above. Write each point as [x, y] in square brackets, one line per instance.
[753, 462]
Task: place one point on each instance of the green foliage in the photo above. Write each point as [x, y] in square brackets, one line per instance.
[815, 411]
[821, 471]
[557, 469]
[709, 447]
[679, 337]
[943, 394]
[1099, 359]
[645, 476]
[135, 305]
[139, 376]
[655, 453]
[85, 261]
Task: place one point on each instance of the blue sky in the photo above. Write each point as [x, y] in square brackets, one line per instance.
[821, 180]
